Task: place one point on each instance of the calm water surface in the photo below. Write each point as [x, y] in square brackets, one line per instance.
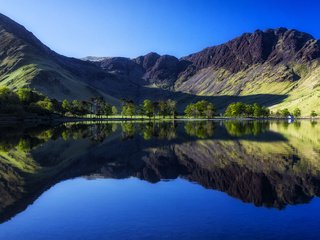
[171, 180]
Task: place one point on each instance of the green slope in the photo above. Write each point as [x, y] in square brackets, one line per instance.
[26, 62]
[299, 83]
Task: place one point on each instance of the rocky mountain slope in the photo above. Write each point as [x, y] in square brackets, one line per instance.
[279, 62]
[276, 67]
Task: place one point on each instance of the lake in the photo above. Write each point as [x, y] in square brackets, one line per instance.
[161, 180]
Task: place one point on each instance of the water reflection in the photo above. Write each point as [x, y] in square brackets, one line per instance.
[266, 163]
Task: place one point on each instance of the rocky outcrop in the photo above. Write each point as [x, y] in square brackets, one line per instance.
[273, 46]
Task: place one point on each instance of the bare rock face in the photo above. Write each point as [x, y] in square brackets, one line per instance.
[148, 69]
[164, 71]
[147, 61]
[273, 46]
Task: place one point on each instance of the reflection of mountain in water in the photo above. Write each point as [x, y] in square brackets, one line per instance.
[265, 163]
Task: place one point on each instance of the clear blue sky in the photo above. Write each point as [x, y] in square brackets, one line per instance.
[131, 28]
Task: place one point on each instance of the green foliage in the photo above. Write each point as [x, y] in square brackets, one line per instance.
[148, 108]
[46, 105]
[171, 107]
[240, 109]
[163, 108]
[76, 107]
[200, 129]
[114, 110]
[25, 100]
[7, 96]
[27, 96]
[297, 112]
[24, 145]
[283, 113]
[128, 109]
[200, 109]
[66, 105]
[239, 129]
[191, 110]
[313, 114]
[128, 129]
[106, 109]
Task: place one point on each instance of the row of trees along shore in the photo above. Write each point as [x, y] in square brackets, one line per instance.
[25, 101]
[150, 108]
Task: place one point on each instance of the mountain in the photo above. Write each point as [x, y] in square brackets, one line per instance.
[277, 62]
[277, 67]
[26, 62]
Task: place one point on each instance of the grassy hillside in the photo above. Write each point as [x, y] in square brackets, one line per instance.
[299, 84]
[26, 62]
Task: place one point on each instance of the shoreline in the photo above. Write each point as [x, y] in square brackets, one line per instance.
[64, 119]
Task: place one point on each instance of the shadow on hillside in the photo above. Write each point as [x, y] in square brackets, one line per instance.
[221, 102]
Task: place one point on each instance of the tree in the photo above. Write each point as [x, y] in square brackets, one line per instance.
[266, 112]
[25, 95]
[313, 114]
[7, 96]
[99, 105]
[148, 108]
[285, 112]
[75, 107]
[210, 110]
[191, 110]
[249, 110]
[235, 109]
[257, 110]
[297, 112]
[128, 109]
[45, 104]
[171, 106]
[163, 108]
[155, 106]
[106, 109]
[66, 106]
[201, 108]
[239, 109]
[114, 110]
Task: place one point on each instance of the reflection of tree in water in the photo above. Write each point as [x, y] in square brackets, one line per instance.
[149, 130]
[200, 129]
[160, 130]
[10, 139]
[96, 132]
[284, 124]
[238, 129]
[297, 125]
[102, 131]
[313, 123]
[128, 130]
